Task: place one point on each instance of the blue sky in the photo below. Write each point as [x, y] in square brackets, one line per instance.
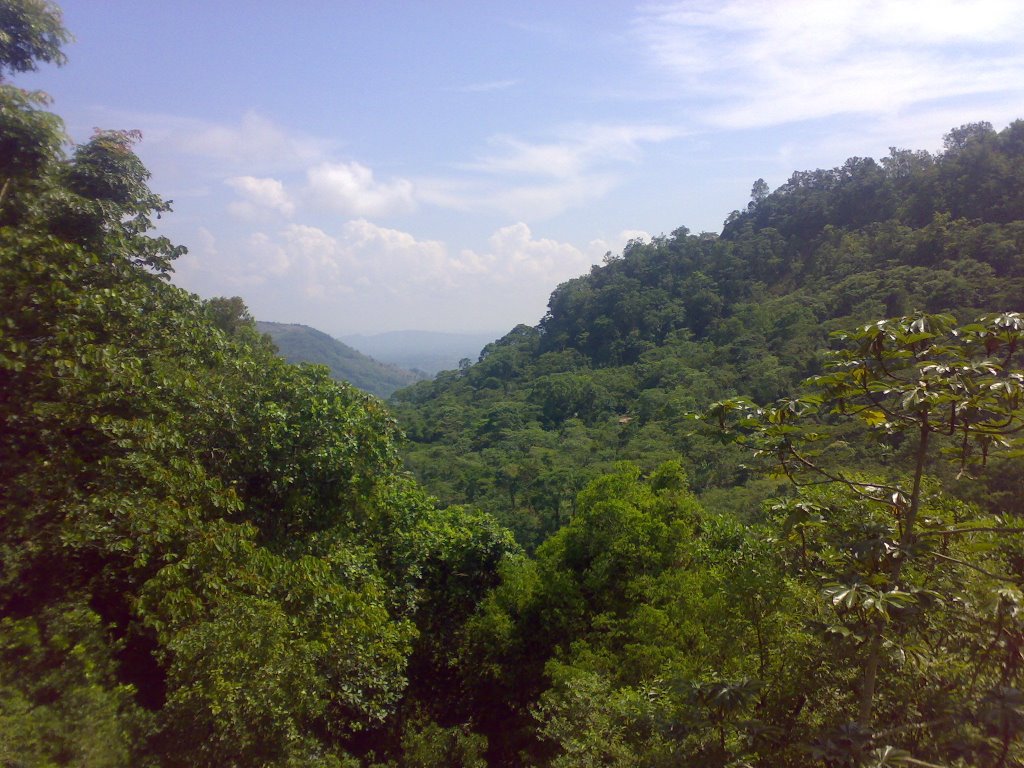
[373, 166]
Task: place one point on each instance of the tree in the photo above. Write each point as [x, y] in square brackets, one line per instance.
[210, 557]
[923, 386]
[31, 31]
[758, 192]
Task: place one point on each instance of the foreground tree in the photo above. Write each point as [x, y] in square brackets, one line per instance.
[923, 587]
[209, 557]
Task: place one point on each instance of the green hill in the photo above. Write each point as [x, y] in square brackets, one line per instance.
[211, 557]
[302, 344]
[671, 325]
[799, 606]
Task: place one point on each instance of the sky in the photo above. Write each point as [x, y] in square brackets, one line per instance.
[364, 166]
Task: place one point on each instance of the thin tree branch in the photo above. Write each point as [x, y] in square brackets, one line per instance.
[976, 568]
[955, 531]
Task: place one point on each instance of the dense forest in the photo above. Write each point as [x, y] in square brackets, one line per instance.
[672, 325]
[747, 499]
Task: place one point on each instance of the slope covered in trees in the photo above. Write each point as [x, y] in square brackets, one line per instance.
[302, 344]
[676, 323]
[209, 557]
[841, 593]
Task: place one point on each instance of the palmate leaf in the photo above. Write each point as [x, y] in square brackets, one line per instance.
[860, 596]
[889, 757]
[874, 418]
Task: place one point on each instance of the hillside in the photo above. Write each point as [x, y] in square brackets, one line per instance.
[671, 325]
[211, 557]
[798, 609]
[302, 344]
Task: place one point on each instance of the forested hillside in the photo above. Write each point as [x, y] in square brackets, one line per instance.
[813, 554]
[302, 344]
[797, 613]
[672, 325]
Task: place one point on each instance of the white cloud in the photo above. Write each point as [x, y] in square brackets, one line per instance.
[207, 242]
[759, 63]
[577, 149]
[188, 154]
[546, 200]
[514, 255]
[201, 253]
[391, 257]
[264, 258]
[519, 157]
[538, 180]
[259, 196]
[322, 263]
[360, 254]
[366, 276]
[350, 188]
[254, 143]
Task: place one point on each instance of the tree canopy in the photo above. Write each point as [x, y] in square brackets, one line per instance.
[210, 557]
[711, 511]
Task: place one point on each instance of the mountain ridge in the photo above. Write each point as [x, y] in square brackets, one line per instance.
[299, 343]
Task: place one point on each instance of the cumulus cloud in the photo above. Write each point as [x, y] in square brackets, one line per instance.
[758, 63]
[514, 255]
[264, 258]
[351, 188]
[391, 257]
[381, 261]
[359, 255]
[344, 275]
[259, 196]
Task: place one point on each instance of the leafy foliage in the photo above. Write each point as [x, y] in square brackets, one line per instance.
[210, 557]
[31, 31]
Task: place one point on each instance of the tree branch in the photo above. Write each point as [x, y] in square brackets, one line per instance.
[976, 568]
[955, 531]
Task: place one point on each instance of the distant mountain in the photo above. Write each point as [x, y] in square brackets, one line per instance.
[425, 351]
[302, 344]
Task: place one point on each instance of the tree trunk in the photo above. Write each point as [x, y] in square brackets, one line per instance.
[867, 691]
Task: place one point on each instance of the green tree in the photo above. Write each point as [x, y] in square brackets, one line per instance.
[898, 569]
[31, 31]
[210, 557]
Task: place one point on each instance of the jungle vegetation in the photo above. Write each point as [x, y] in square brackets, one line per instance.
[746, 499]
